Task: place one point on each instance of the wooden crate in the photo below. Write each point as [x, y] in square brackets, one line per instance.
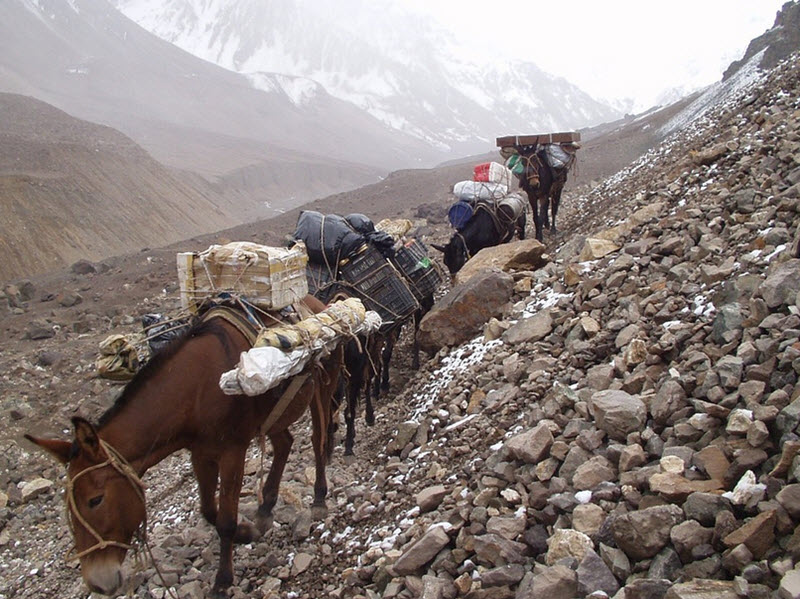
[539, 138]
[267, 277]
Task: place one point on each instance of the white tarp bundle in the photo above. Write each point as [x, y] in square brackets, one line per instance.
[479, 190]
[284, 351]
[557, 157]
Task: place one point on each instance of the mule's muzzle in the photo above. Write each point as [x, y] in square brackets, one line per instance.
[104, 577]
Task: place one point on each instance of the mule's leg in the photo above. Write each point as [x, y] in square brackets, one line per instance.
[231, 469]
[353, 389]
[339, 397]
[537, 220]
[206, 471]
[373, 386]
[415, 345]
[558, 187]
[544, 205]
[386, 357]
[281, 445]
[320, 417]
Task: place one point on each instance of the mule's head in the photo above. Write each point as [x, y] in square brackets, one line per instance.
[455, 253]
[105, 504]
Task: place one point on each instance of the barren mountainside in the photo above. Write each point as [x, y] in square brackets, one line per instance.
[73, 190]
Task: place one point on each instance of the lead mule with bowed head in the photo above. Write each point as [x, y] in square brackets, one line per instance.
[175, 402]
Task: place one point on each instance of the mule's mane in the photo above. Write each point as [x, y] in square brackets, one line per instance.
[198, 329]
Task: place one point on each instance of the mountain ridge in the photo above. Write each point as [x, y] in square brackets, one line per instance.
[391, 63]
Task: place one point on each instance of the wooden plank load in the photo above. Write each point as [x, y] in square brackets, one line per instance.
[268, 277]
[538, 139]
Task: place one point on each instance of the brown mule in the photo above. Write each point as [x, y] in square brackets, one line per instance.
[173, 403]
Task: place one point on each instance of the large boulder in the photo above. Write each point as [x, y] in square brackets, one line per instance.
[517, 255]
[461, 314]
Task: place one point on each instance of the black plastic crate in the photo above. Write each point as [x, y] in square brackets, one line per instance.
[385, 292]
[364, 261]
[370, 277]
[421, 274]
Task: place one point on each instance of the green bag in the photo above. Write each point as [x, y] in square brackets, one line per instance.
[515, 164]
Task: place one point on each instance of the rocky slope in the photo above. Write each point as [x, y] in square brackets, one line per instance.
[626, 425]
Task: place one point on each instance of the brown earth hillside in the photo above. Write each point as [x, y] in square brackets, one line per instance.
[73, 190]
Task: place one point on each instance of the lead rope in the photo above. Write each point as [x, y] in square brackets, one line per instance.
[121, 465]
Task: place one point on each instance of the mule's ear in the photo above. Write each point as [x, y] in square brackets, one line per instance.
[57, 448]
[436, 246]
[86, 436]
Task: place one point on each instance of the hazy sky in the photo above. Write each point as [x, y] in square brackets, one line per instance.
[613, 49]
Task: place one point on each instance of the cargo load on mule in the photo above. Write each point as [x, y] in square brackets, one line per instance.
[269, 278]
[541, 163]
[348, 256]
[423, 278]
[482, 222]
[490, 173]
[284, 350]
[249, 285]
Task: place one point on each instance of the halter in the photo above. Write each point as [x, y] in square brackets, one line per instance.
[121, 465]
[464, 241]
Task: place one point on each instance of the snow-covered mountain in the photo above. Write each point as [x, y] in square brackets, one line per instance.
[393, 64]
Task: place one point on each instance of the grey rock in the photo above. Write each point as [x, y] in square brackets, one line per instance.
[421, 551]
[503, 575]
[530, 329]
[593, 575]
[429, 498]
[642, 534]
[782, 284]
[555, 582]
[497, 551]
[531, 446]
[702, 589]
[618, 413]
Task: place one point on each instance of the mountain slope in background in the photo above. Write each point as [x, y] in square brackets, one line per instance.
[74, 190]
[394, 65]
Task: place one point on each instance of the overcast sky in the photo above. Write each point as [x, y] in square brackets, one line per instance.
[612, 49]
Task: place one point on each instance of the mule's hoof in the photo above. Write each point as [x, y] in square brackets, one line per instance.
[264, 523]
[319, 512]
[370, 419]
[385, 386]
[221, 586]
[246, 532]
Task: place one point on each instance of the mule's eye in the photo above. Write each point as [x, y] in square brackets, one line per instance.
[95, 501]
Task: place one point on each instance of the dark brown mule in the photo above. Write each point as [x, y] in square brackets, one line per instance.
[543, 186]
[173, 403]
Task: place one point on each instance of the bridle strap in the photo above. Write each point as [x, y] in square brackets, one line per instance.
[121, 465]
[464, 242]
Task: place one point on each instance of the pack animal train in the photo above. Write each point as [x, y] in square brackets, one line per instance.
[173, 403]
